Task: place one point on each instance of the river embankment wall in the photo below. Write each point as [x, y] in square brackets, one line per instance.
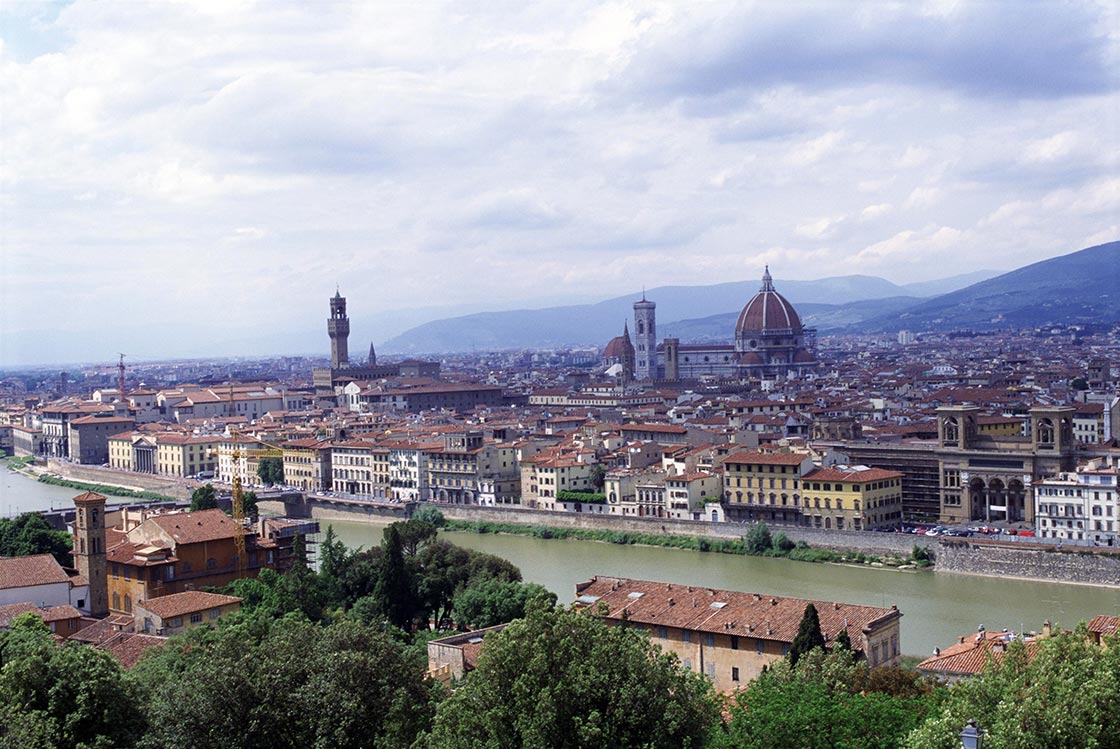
[1068, 565]
[99, 475]
[874, 543]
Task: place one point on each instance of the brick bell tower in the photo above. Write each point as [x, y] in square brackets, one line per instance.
[89, 549]
[338, 328]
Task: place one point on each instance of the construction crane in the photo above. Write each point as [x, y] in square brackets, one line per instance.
[237, 494]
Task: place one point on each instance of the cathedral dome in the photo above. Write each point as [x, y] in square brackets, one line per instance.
[767, 311]
[620, 347]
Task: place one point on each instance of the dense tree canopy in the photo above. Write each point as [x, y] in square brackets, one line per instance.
[1066, 697]
[568, 680]
[491, 601]
[29, 533]
[204, 498]
[271, 471]
[826, 701]
[808, 635]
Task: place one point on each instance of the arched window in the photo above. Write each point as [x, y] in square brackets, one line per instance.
[127, 603]
[116, 601]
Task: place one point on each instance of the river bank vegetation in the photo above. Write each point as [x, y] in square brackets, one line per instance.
[106, 489]
[336, 657]
[758, 541]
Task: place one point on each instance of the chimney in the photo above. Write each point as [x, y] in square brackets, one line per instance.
[937, 652]
[1046, 628]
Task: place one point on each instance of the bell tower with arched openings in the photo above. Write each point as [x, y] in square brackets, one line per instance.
[645, 339]
[89, 549]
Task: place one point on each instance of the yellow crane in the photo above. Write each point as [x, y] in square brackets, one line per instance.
[237, 493]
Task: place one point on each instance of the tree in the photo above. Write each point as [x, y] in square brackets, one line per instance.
[249, 504]
[598, 476]
[414, 534]
[822, 703]
[29, 534]
[758, 540]
[393, 589]
[271, 471]
[430, 514]
[300, 685]
[843, 642]
[568, 680]
[808, 636]
[491, 601]
[204, 498]
[1079, 383]
[783, 543]
[1067, 696]
[65, 696]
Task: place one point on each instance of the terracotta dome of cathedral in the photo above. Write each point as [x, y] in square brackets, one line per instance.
[620, 347]
[768, 310]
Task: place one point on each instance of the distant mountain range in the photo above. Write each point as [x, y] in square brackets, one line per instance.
[1081, 287]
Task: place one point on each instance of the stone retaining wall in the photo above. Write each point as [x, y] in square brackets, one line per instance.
[99, 475]
[875, 543]
[1074, 565]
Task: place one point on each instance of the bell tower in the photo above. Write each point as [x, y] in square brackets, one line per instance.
[89, 549]
[645, 339]
[338, 328]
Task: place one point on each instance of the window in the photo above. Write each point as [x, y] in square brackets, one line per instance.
[211, 563]
[662, 633]
[734, 673]
[710, 640]
[758, 646]
[687, 664]
[214, 614]
[175, 622]
[196, 617]
[686, 636]
[734, 642]
[711, 671]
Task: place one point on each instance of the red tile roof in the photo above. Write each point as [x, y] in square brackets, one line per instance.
[195, 527]
[23, 572]
[188, 602]
[850, 476]
[48, 614]
[728, 612]
[971, 655]
[757, 458]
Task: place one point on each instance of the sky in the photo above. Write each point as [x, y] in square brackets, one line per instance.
[192, 178]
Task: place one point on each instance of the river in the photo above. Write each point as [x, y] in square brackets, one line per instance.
[936, 607]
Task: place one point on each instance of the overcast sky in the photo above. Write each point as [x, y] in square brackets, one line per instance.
[179, 176]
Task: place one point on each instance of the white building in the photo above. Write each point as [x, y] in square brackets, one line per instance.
[40, 579]
[1081, 506]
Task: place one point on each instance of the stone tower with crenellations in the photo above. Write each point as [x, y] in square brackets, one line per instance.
[338, 328]
[89, 549]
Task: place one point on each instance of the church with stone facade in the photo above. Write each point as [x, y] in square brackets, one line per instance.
[770, 342]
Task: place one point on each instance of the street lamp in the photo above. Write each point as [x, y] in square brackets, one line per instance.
[972, 737]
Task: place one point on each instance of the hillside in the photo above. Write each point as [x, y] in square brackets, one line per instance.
[1082, 287]
[594, 324]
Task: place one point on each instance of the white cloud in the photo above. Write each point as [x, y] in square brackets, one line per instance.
[497, 156]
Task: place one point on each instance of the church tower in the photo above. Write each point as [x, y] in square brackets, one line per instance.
[89, 550]
[645, 339]
[338, 328]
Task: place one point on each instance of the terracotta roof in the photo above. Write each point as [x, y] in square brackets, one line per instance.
[128, 648]
[181, 604]
[970, 655]
[1104, 625]
[38, 569]
[102, 630]
[90, 497]
[725, 611]
[47, 614]
[195, 527]
[757, 458]
[662, 428]
[768, 310]
[851, 476]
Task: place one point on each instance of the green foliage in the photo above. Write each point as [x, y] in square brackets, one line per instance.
[843, 641]
[271, 471]
[825, 702]
[106, 489]
[30, 533]
[1066, 697]
[589, 497]
[298, 685]
[430, 514]
[65, 696]
[249, 504]
[490, 601]
[414, 534]
[1079, 383]
[782, 543]
[204, 498]
[758, 539]
[565, 680]
[921, 554]
[598, 476]
[393, 588]
[809, 635]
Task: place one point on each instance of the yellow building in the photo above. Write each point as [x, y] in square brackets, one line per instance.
[855, 499]
[185, 455]
[764, 486]
[307, 464]
[731, 636]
